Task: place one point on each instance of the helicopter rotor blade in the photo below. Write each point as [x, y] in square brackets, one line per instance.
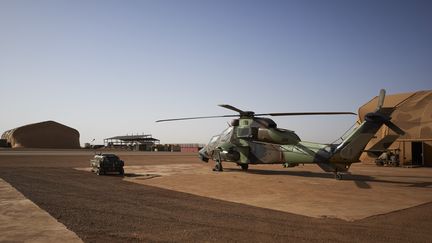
[197, 117]
[230, 107]
[395, 128]
[381, 98]
[305, 113]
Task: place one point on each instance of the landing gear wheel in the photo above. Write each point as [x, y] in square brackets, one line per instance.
[244, 167]
[121, 172]
[218, 167]
[338, 176]
[98, 172]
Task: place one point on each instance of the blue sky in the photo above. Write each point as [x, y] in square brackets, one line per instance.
[112, 68]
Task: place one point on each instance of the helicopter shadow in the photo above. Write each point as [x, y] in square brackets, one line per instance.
[291, 173]
[361, 181]
[141, 176]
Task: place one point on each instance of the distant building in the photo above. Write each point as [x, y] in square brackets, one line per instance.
[143, 142]
[413, 114]
[47, 134]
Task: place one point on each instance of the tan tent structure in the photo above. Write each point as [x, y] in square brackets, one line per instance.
[413, 114]
[47, 134]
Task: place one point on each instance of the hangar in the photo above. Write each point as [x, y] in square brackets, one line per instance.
[413, 114]
[47, 134]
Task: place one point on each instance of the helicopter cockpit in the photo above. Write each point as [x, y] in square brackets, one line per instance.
[215, 142]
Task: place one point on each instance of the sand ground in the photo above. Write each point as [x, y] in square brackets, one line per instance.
[112, 208]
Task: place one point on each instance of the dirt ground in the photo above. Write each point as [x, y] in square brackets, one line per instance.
[108, 208]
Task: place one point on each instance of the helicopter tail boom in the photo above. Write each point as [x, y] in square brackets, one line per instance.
[351, 148]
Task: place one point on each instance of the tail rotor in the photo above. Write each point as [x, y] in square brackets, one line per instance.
[381, 98]
[382, 114]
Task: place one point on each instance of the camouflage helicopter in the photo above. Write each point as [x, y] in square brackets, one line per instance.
[253, 139]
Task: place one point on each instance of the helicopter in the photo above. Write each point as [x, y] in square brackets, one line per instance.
[255, 139]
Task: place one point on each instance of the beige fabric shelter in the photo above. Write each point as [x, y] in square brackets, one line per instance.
[48, 134]
[413, 114]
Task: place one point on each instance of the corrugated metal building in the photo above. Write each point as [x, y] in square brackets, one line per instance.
[413, 114]
[47, 134]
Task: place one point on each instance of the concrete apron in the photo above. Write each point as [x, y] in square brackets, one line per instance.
[304, 190]
[23, 221]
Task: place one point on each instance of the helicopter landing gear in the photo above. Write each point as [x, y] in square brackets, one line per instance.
[244, 167]
[338, 176]
[218, 166]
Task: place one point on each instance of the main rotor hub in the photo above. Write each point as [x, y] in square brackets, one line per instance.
[247, 114]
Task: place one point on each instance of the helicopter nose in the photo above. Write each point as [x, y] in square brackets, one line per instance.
[203, 155]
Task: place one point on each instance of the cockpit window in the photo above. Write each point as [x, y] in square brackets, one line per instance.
[227, 131]
[226, 135]
[213, 139]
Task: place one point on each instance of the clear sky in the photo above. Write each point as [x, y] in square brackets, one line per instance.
[112, 68]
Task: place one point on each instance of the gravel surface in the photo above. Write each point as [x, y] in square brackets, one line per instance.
[108, 209]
